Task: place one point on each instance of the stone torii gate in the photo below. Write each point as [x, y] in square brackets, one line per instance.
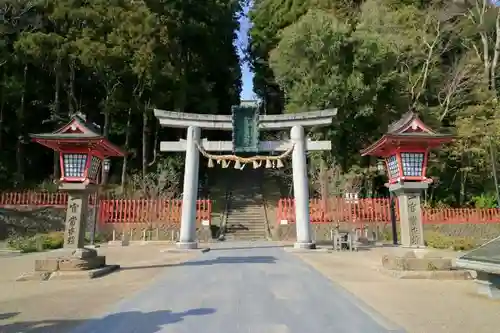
[245, 123]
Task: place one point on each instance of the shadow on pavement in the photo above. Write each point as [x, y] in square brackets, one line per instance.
[216, 261]
[248, 247]
[149, 322]
[8, 315]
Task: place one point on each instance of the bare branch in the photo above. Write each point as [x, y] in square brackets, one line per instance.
[461, 78]
[496, 53]
[418, 87]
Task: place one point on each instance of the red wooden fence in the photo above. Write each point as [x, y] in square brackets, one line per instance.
[333, 210]
[40, 199]
[149, 211]
[114, 211]
[33, 199]
[378, 210]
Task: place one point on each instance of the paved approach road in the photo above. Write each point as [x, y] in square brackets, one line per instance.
[249, 287]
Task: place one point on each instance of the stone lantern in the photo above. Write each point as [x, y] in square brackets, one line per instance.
[405, 149]
[82, 150]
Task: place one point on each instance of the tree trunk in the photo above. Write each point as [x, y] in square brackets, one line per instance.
[72, 101]
[324, 186]
[145, 130]
[2, 105]
[57, 109]
[105, 131]
[20, 132]
[127, 143]
[496, 55]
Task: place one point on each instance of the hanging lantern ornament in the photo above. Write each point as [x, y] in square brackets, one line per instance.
[269, 165]
[279, 164]
[210, 163]
[257, 164]
[237, 164]
[224, 164]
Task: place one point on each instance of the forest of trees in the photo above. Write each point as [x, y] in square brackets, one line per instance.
[377, 59]
[115, 60]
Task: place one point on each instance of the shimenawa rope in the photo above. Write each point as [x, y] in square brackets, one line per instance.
[240, 162]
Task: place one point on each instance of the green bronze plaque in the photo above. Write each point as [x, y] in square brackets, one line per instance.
[246, 127]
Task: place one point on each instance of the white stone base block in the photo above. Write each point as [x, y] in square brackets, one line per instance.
[304, 246]
[187, 245]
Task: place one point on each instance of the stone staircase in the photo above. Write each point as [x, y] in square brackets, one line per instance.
[245, 212]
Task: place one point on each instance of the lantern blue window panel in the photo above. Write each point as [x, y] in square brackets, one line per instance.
[95, 165]
[392, 165]
[74, 165]
[413, 164]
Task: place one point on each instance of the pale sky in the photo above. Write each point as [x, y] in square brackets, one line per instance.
[247, 75]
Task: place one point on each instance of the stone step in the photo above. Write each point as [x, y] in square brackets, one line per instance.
[247, 234]
[255, 227]
[232, 229]
[243, 213]
[254, 217]
[244, 238]
[246, 210]
[245, 222]
[259, 227]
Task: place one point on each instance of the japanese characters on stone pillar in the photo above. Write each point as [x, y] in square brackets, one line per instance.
[82, 149]
[76, 213]
[72, 226]
[410, 212]
[405, 148]
[414, 212]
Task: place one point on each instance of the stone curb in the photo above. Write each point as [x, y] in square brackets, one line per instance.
[317, 250]
[69, 275]
[203, 250]
[428, 275]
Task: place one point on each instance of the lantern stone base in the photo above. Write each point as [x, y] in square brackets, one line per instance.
[420, 265]
[410, 212]
[70, 264]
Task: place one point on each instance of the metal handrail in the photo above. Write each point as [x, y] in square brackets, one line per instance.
[265, 206]
[225, 214]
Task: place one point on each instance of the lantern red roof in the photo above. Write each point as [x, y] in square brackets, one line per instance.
[78, 134]
[407, 132]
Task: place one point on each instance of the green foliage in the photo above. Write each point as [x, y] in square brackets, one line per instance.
[53, 240]
[36, 243]
[99, 238]
[439, 241]
[113, 60]
[379, 61]
[485, 201]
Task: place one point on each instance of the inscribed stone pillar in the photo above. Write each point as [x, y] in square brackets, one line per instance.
[410, 212]
[76, 213]
[190, 195]
[301, 189]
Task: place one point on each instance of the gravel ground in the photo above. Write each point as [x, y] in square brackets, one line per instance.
[419, 306]
[58, 306]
